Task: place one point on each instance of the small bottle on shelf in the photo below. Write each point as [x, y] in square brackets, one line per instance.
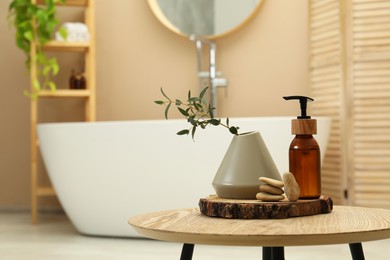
[77, 81]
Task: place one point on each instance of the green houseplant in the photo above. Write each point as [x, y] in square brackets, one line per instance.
[36, 23]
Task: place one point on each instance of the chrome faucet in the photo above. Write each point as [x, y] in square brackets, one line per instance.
[211, 77]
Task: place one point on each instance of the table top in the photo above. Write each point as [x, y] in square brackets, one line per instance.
[343, 225]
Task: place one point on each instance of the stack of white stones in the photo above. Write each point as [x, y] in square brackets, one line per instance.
[272, 190]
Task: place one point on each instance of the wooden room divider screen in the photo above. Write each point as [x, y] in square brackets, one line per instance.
[350, 79]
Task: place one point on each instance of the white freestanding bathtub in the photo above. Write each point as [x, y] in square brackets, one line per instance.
[106, 172]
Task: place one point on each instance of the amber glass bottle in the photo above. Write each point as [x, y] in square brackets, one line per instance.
[305, 165]
[304, 153]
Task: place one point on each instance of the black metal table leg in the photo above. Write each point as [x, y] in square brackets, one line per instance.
[267, 253]
[273, 253]
[278, 253]
[356, 251]
[187, 251]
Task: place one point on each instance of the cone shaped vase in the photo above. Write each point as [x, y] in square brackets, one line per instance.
[246, 159]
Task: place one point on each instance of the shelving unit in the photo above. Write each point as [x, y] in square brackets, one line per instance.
[67, 46]
[87, 95]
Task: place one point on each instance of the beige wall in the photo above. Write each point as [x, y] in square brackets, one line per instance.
[264, 61]
[136, 55]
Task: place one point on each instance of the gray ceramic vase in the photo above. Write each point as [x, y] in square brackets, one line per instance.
[246, 159]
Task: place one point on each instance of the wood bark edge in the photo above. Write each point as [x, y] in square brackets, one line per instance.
[214, 206]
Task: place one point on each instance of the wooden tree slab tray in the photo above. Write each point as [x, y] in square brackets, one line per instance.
[213, 206]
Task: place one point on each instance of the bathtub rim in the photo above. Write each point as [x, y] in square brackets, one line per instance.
[173, 120]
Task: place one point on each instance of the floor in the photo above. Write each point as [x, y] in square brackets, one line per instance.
[55, 238]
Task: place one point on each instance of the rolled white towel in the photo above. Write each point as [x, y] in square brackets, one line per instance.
[76, 32]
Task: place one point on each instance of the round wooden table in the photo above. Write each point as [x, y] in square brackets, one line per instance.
[344, 225]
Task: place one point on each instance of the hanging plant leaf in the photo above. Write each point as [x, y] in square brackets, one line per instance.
[52, 86]
[29, 35]
[54, 66]
[36, 85]
[63, 32]
[22, 14]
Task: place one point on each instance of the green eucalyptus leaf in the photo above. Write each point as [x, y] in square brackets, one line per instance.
[194, 99]
[167, 110]
[214, 121]
[227, 122]
[183, 112]
[193, 132]
[201, 95]
[192, 120]
[189, 94]
[211, 111]
[178, 102]
[233, 130]
[159, 102]
[162, 91]
[197, 106]
[183, 132]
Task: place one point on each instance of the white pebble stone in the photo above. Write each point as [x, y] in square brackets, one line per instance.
[268, 197]
[271, 189]
[291, 187]
[272, 182]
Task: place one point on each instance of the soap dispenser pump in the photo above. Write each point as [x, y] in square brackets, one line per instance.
[304, 153]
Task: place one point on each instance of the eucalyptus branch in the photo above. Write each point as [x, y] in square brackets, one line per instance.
[197, 111]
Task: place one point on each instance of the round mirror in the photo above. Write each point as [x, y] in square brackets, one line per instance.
[206, 18]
